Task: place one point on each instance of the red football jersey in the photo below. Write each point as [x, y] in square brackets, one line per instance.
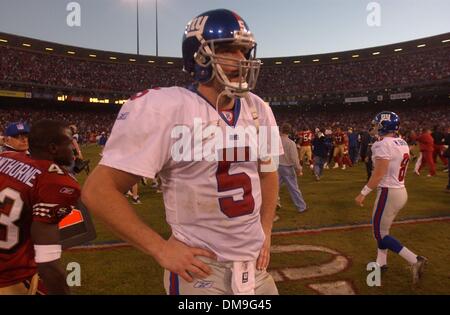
[339, 138]
[426, 142]
[305, 138]
[30, 190]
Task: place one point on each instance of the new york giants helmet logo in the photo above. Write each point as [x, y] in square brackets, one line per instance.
[386, 122]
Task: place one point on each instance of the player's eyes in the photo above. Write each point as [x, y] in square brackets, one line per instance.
[231, 49]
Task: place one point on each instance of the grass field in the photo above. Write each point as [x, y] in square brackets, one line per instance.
[330, 204]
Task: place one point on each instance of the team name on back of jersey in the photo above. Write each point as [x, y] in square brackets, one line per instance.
[18, 170]
[400, 142]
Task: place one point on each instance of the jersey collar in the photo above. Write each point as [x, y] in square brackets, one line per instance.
[236, 107]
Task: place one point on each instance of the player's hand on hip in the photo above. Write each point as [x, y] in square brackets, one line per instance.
[359, 200]
[181, 259]
[264, 254]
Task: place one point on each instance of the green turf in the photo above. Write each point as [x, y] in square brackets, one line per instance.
[360, 248]
[330, 203]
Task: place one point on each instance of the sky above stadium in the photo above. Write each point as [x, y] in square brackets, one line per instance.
[281, 27]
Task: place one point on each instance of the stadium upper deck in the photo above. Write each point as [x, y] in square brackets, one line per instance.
[47, 70]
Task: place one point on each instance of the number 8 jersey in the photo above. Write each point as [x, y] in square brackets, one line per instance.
[210, 202]
[395, 150]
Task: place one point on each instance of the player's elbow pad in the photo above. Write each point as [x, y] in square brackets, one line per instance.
[47, 253]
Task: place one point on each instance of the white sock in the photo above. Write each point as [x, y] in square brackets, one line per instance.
[408, 255]
[382, 257]
[418, 162]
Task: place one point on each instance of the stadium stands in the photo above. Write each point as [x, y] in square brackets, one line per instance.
[37, 72]
[33, 68]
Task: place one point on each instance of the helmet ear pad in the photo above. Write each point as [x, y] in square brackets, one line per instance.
[203, 69]
[203, 74]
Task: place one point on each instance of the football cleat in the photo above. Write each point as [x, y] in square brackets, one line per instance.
[417, 269]
[136, 201]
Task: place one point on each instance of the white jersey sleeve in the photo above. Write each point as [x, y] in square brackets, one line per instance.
[381, 150]
[270, 145]
[140, 139]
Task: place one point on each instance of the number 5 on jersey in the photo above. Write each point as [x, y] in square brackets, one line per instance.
[228, 182]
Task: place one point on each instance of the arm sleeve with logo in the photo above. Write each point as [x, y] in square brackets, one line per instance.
[55, 197]
[140, 140]
[270, 141]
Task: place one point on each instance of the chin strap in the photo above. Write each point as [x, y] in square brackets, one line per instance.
[224, 93]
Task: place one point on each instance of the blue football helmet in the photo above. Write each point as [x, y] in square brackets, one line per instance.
[386, 122]
[200, 40]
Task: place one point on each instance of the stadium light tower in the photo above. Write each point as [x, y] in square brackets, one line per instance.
[156, 21]
[137, 26]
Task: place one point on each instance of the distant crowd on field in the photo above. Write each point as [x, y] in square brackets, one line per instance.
[92, 124]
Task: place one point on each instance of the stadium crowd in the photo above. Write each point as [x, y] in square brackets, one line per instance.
[424, 67]
[413, 118]
[69, 72]
[377, 73]
[392, 71]
[91, 123]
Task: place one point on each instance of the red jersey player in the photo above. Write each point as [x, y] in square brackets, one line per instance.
[35, 194]
[339, 140]
[304, 143]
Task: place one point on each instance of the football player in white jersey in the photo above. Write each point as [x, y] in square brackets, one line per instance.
[220, 203]
[390, 155]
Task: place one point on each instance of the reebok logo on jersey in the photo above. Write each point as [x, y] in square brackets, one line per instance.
[203, 284]
[67, 190]
[122, 116]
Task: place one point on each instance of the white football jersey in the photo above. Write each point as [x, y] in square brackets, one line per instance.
[210, 203]
[396, 150]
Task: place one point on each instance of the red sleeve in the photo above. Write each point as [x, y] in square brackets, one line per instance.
[55, 197]
[419, 138]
